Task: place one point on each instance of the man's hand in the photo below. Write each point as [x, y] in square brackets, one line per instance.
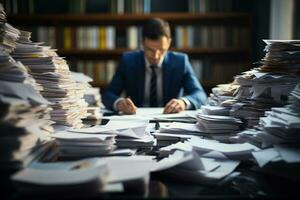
[175, 106]
[126, 106]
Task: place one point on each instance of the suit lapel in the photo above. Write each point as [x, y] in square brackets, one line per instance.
[140, 75]
[166, 79]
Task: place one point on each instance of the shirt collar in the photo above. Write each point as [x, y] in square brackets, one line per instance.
[147, 64]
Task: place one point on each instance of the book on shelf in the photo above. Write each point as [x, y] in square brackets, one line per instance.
[100, 71]
[111, 37]
[122, 6]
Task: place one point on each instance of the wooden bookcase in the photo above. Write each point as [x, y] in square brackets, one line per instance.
[242, 55]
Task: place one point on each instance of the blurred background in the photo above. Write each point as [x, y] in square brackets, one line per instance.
[222, 37]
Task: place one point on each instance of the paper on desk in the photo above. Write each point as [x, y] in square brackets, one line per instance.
[199, 163]
[121, 125]
[288, 153]
[93, 130]
[174, 159]
[62, 173]
[170, 135]
[211, 177]
[180, 127]
[128, 168]
[264, 156]
[204, 145]
[82, 136]
[66, 165]
[214, 154]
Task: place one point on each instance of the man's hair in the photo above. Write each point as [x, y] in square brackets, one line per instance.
[156, 28]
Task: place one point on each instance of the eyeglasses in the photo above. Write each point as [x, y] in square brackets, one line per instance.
[154, 51]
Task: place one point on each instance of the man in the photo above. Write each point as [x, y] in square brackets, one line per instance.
[154, 77]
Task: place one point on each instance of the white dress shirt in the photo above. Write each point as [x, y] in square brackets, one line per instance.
[148, 74]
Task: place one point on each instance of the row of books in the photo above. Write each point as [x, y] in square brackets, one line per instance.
[120, 6]
[110, 37]
[100, 71]
[211, 36]
[206, 70]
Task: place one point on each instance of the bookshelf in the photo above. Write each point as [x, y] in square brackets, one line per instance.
[220, 44]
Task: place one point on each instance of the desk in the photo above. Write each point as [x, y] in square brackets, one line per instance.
[249, 183]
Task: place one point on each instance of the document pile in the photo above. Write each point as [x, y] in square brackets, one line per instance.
[24, 125]
[278, 134]
[238, 151]
[8, 34]
[91, 96]
[218, 124]
[82, 178]
[223, 95]
[52, 72]
[84, 142]
[281, 125]
[190, 164]
[265, 87]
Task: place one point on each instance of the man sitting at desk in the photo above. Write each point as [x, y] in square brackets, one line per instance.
[154, 76]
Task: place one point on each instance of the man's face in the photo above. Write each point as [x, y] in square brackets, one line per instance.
[155, 50]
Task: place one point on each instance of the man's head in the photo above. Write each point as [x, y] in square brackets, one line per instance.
[156, 40]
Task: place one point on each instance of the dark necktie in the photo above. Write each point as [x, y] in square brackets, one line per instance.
[153, 87]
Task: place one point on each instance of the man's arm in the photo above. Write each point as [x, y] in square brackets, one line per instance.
[116, 86]
[195, 92]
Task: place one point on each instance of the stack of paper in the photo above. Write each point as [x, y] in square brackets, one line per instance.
[24, 126]
[91, 96]
[281, 125]
[235, 151]
[218, 124]
[74, 144]
[24, 115]
[13, 71]
[8, 34]
[223, 94]
[52, 72]
[214, 110]
[260, 89]
[282, 56]
[278, 134]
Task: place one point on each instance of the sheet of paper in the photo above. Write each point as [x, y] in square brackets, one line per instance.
[264, 156]
[288, 153]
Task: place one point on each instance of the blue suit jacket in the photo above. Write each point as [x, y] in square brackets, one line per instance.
[178, 77]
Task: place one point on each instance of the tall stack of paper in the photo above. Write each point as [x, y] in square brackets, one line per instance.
[260, 89]
[91, 96]
[8, 34]
[278, 132]
[24, 125]
[24, 114]
[281, 125]
[52, 72]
